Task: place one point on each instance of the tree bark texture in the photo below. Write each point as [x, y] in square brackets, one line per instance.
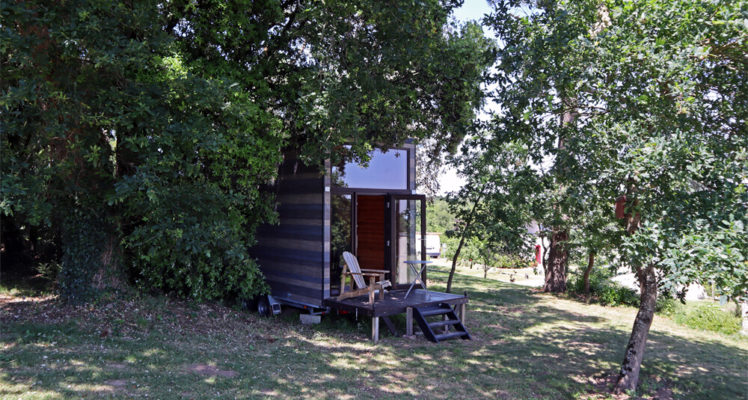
[558, 256]
[632, 360]
[590, 264]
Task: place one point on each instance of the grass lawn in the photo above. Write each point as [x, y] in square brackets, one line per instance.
[527, 345]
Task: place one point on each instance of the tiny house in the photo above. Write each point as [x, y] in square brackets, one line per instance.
[371, 211]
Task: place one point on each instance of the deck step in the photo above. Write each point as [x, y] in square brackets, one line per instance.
[451, 335]
[434, 311]
[451, 321]
[438, 324]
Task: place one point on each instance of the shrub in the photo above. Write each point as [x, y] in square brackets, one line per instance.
[512, 261]
[194, 245]
[84, 242]
[603, 289]
[707, 316]
[615, 295]
[49, 270]
[666, 305]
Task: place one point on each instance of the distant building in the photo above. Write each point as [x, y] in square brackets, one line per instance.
[534, 228]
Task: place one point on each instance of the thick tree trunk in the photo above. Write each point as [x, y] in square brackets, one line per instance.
[109, 274]
[90, 258]
[632, 360]
[590, 264]
[555, 272]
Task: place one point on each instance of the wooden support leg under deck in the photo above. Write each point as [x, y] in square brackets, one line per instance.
[409, 322]
[463, 311]
[375, 329]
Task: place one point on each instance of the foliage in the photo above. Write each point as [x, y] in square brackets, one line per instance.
[512, 260]
[439, 218]
[49, 270]
[666, 305]
[468, 253]
[706, 316]
[604, 290]
[82, 261]
[643, 99]
[647, 116]
[163, 121]
[491, 207]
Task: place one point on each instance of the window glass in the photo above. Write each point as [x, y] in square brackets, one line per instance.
[340, 238]
[385, 171]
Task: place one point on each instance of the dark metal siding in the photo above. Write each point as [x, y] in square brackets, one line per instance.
[291, 255]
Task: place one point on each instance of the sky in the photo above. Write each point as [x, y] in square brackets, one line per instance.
[471, 10]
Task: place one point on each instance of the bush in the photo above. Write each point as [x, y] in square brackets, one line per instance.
[615, 295]
[194, 245]
[83, 240]
[666, 305]
[509, 261]
[49, 270]
[603, 289]
[707, 316]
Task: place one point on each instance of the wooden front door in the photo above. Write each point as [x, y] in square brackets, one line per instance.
[370, 232]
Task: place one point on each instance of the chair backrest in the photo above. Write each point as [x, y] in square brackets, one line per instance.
[353, 266]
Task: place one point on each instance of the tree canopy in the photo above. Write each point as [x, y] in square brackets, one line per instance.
[642, 99]
[140, 134]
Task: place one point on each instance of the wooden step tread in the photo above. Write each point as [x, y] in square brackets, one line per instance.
[438, 324]
[435, 311]
[450, 335]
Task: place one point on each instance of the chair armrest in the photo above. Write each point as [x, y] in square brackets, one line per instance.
[371, 274]
[377, 271]
[364, 273]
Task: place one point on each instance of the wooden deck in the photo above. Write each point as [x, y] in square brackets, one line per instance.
[395, 302]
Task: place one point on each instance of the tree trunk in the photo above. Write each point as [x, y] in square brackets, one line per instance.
[485, 272]
[90, 258]
[462, 239]
[545, 254]
[109, 274]
[555, 273]
[744, 312]
[454, 259]
[632, 360]
[590, 264]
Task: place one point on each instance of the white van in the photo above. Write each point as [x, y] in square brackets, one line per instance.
[433, 245]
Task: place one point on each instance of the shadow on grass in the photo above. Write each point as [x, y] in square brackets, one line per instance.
[25, 283]
[523, 348]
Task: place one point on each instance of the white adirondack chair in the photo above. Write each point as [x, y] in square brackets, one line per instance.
[376, 279]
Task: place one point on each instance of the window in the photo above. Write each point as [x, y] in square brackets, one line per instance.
[386, 170]
[340, 238]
